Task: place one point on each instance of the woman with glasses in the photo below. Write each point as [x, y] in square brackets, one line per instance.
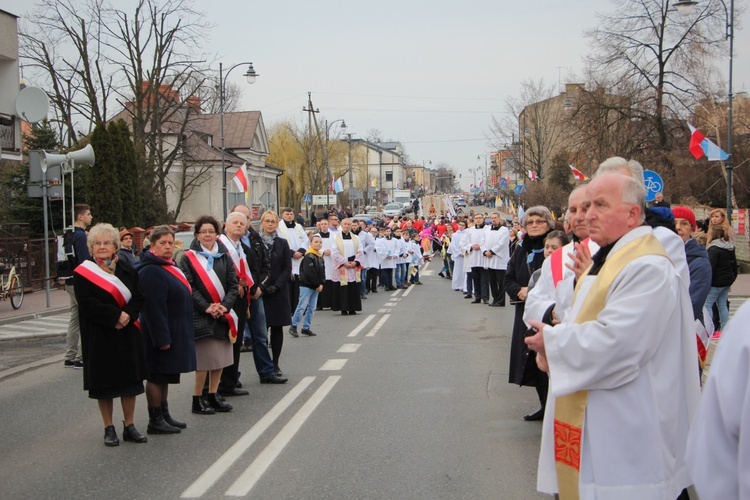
[109, 301]
[527, 258]
[213, 279]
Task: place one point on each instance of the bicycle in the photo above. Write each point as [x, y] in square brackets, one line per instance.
[11, 286]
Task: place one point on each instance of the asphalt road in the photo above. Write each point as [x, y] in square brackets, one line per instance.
[408, 400]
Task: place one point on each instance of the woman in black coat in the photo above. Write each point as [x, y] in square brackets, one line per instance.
[276, 288]
[527, 258]
[167, 324]
[109, 301]
[212, 315]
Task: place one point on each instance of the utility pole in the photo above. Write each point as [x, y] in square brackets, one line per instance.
[310, 119]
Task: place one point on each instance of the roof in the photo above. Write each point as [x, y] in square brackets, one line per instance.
[239, 127]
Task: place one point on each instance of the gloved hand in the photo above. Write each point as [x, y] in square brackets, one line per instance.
[271, 289]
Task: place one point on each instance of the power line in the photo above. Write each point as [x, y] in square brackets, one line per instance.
[415, 97]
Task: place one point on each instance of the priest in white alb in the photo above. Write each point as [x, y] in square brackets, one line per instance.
[622, 363]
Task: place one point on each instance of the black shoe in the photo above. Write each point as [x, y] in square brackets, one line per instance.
[537, 415]
[402, 287]
[218, 404]
[273, 380]
[345, 313]
[468, 296]
[78, 365]
[234, 392]
[496, 304]
[476, 301]
[168, 418]
[201, 407]
[309, 333]
[157, 424]
[485, 301]
[441, 274]
[277, 371]
[374, 290]
[363, 297]
[130, 433]
[246, 348]
[69, 363]
[293, 331]
[352, 313]
[110, 435]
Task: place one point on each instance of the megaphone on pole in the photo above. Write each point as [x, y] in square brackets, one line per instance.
[85, 155]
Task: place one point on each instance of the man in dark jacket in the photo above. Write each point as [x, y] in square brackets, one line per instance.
[312, 276]
[255, 328]
[80, 251]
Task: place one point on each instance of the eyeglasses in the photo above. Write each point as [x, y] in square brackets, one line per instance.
[207, 232]
[103, 243]
[536, 222]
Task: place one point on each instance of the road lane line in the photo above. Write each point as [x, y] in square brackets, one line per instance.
[389, 304]
[377, 326]
[395, 294]
[214, 473]
[408, 291]
[381, 311]
[255, 471]
[333, 365]
[349, 348]
[361, 326]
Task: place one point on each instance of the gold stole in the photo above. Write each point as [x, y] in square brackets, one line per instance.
[340, 246]
[570, 410]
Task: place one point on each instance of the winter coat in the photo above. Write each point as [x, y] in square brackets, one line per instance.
[204, 324]
[79, 247]
[312, 271]
[129, 255]
[111, 358]
[723, 263]
[166, 318]
[257, 259]
[700, 276]
[276, 292]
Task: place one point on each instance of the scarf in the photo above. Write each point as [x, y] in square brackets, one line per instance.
[268, 239]
[534, 245]
[168, 261]
[314, 252]
[107, 266]
[210, 256]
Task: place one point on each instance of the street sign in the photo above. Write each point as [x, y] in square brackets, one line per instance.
[322, 200]
[503, 183]
[519, 189]
[307, 199]
[653, 183]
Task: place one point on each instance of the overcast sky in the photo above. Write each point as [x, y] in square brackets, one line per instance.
[427, 74]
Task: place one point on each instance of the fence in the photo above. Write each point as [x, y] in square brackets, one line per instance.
[28, 254]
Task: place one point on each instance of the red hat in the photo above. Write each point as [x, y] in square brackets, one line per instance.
[684, 213]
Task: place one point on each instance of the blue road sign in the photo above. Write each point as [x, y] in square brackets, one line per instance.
[653, 183]
[519, 189]
[503, 183]
[307, 199]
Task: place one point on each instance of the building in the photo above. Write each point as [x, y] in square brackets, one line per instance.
[372, 172]
[10, 124]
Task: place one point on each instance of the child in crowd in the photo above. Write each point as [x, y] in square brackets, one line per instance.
[312, 276]
[554, 240]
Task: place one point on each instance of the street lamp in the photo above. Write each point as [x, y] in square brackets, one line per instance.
[328, 170]
[250, 74]
[685, 6]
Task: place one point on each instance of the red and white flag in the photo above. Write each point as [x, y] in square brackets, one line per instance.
[577, 173]
[240, 178]
[532, 175]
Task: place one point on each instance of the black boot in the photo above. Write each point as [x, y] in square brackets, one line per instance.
[218, 404]
[110, 436]
[157, 424]
[201, 407]
[130, 433]
[168, 418]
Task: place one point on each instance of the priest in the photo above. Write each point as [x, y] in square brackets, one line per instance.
[347, 256]
[325, 297]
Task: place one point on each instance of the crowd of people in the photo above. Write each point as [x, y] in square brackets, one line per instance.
[609, 305]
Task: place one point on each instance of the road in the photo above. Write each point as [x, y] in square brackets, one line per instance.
[408, 400]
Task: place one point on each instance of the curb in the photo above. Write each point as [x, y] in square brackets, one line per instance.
[37, 315]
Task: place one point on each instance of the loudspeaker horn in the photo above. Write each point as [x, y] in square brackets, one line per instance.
[51, 160]
[85, 155]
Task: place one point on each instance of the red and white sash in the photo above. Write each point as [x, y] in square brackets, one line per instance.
[557, 265]
[177, 273]
[239, 259]
[215, 289]
[107, 282]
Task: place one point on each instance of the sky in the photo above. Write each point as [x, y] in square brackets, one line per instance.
[428, 74]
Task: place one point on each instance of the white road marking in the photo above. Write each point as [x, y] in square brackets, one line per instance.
[349, 348]
[253, 473]
[377, 326]
[389, 304]
[333, 365]
[407, 292]
[427, 272]
[395, 294]
[214, 473]
[361, 326]
[381, 311]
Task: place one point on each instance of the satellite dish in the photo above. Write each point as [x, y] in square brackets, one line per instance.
[32, 104]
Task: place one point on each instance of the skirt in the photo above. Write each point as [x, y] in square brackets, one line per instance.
[117, 392]
[164, 378]
[212, 354]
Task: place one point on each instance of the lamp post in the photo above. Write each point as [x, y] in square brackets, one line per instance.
[328, 170]
[686, 6]
[250, 74]
[351, 178]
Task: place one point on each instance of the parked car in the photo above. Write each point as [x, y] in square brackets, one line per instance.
[459, 202]
[393, 209]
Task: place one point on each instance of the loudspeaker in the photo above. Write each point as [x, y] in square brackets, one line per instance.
[48, 160]
[85, 155]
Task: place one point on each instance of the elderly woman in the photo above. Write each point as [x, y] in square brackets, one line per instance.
[167, 323]
[527, 258]
[276, 288]
[109, 301]
[213, 279]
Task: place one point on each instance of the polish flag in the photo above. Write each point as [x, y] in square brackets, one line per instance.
[240, 179]
[577, 173]
[532, 175]
[701, 146]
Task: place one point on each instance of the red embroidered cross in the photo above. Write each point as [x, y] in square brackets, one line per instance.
[568, 444]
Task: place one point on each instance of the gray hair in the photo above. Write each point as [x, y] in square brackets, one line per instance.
[103, 230]
[539, 211]
[617, 164]
[237, 214]
[634, 192]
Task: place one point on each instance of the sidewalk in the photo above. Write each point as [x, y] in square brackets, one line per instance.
[35, 306]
